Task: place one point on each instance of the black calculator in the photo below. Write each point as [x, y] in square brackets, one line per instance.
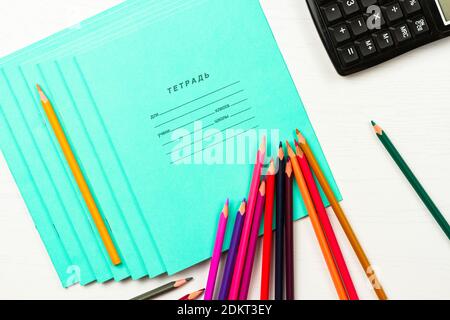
[359, 34]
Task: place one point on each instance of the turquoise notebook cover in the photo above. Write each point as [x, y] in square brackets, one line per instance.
[214, 65]
[89, 33]
[70, 268]
[69, 91]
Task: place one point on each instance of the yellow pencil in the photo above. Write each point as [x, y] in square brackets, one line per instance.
[79, 178]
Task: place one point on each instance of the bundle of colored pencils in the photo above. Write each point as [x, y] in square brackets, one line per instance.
[276, 189]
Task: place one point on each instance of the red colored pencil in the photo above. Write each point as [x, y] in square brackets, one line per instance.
[326, 225]
[268, 233]
[193, 296]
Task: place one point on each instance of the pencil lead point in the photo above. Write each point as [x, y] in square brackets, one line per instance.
[281, 144]
[189, 279]
[373, 123]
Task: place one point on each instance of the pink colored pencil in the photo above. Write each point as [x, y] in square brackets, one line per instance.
[248, 269]
[242, 252]
[215, 260]
[326, 225]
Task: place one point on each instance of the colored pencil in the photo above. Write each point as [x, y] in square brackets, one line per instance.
[217, 252]
[326, 224]
[243, 245]
[193, 296]
[345, 224]
[79, 178]
[163, 289]
[248, 269]
[289, 231]
[279, 231]
[401, 163]
[334, 272]
[232, 253]
[268, 232]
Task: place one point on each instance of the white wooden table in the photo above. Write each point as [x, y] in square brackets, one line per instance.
[409, 97]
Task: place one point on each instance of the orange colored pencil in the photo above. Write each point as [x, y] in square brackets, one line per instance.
[345, 224]
[268, 232]
[334, 272]
[79, 178]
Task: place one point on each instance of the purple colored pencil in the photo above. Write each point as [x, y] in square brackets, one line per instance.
[232, 253]
[248, 268]
[215, 260]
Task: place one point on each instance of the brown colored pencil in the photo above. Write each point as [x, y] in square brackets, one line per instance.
[364, 261]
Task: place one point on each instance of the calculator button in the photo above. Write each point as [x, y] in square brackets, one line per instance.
[349, 6]
[358, 26]
[393, 12]
[366, 47]
[368, 3]
[401, 33]
[419, 25]
[340, 33]
[384, 40]
[410, 6]
[332, 12]
[348, 54]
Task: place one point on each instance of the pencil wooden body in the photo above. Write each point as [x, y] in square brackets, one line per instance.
[232, 253]
[320, 235]
[289, 234]
[327, 228]
[248, 269]
[80, 180]
[415, 183]
[268, 233]
[345, 224]
[246, 229]
[217, 252]
[279, 231]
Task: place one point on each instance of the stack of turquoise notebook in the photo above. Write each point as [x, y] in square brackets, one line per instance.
[163, 102]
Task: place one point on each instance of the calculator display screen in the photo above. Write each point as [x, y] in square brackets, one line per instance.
[444, 8]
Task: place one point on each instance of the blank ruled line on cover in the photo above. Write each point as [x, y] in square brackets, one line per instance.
[156, 115]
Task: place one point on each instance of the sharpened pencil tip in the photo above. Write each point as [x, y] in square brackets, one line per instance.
[42, 95]
[271, 170]
[242, 207]
[289, 168]
[301, 138]
[262, 147]
[378, 130]
[373, 123]
[189, 279]
[262, 188]
[225, 208]
[281, 144]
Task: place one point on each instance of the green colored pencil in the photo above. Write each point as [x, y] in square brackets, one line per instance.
[163, 289]
[381, 134]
